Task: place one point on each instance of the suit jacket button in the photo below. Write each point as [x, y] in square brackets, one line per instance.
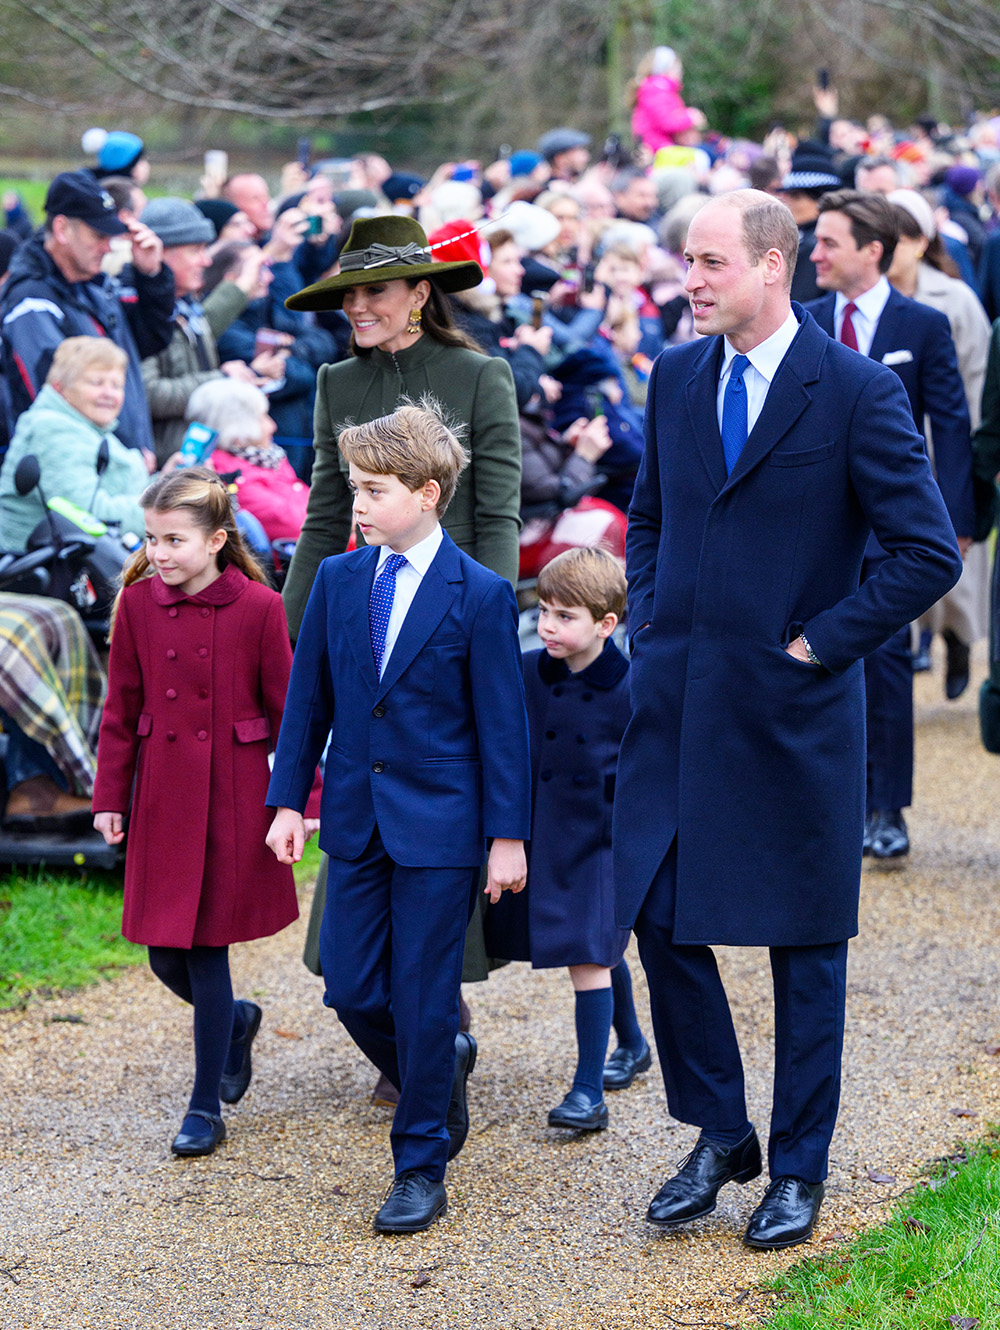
[171, 737]
[378, 766]
[546, 775]
[378, 712]
[203, 735]
[550, 734]
[171, 693]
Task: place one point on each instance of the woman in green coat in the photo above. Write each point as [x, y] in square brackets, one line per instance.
[405, 345]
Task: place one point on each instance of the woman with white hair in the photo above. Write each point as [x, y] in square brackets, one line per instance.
[266, 485]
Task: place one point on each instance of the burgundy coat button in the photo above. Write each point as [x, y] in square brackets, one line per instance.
[203, 692]
[203, 735]
[203, 651]
[172, 611]
[171, 736]
[205, 612]
[171, 693]
[171, 654]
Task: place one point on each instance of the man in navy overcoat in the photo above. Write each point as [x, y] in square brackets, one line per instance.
[741, 784]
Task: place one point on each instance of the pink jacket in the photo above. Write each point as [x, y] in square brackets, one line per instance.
[276, 498]
[660, 114]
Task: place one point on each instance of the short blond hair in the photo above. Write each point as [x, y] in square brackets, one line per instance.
[75, 355]
[414, 443]
[587, 576]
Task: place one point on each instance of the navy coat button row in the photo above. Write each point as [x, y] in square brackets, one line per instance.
[378, 766]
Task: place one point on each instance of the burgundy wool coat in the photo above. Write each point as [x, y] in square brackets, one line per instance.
[196, 690]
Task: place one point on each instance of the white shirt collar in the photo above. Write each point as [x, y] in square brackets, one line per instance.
[767, 355]
[869, 303]
[419, 556]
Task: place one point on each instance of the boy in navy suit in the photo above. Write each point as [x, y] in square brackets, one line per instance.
[408, 658]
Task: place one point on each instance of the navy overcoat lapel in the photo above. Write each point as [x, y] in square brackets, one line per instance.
[701, 392]
[889, 331]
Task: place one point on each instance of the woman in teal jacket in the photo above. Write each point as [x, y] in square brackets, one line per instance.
[76, 408]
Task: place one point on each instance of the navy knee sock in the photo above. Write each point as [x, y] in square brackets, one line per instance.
[593, 1025]
[212, 993]
[624, 1018]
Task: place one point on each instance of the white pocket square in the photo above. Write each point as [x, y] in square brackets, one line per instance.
[897, 357]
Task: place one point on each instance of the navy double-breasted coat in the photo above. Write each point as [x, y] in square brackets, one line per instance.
[566, 914]
[196, 689]
[752, 759]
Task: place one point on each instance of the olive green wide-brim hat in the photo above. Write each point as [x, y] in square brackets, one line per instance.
[382, 249]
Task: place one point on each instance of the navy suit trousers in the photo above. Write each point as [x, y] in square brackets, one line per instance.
[391, 947]
[889, 722]
[696, 1041]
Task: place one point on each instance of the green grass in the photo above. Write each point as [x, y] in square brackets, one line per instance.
[61, 931]
[935, 1263]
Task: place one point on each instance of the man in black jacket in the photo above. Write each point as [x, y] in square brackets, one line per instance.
[56, 290]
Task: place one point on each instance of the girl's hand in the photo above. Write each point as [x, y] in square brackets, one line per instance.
[110, 827]
[287, 836]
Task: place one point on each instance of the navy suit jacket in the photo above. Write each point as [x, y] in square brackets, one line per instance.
[436, 752]
[915, 341]
[753, 759]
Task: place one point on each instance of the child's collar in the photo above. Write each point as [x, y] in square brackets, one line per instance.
[226, 588]
[604, 672]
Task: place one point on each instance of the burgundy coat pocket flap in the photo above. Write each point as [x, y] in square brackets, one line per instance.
[249, 731]
[145, 724]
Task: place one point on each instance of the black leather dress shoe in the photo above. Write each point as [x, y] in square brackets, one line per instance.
[890, 839]
[233, 1085]
[457, 1120]
[691, 1192]
[579, 1113]
[201, 1136]
[623, 1066]
[956, 675]
[786, 1215]
[413, 1203]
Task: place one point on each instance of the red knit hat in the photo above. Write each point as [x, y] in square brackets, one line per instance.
[470, 246]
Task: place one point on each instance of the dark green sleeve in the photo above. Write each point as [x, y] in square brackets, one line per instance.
[986, 441]
[327, 527]
[495, 445]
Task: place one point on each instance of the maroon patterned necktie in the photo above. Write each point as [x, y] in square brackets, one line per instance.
[847, 334]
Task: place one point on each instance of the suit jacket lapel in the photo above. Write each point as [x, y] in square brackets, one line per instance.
[438, 588]
[888, 332]
[354, 611]
[701, 392]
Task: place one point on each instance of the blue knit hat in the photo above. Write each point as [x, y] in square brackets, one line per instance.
[120, 152]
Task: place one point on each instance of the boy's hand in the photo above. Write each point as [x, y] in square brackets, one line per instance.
[506, 868]
[110, 827]
[287, 836]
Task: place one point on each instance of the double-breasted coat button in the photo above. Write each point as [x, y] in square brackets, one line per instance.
[203, 692]
[172, 611]
[205, 612]
[378, 766]
[171, 693]
[203, 735]
[558, 690]
[545, 775]
[171, 736]
[378, 712]
[203, 651]
[581, 738]
[171, 654]
[550, 734]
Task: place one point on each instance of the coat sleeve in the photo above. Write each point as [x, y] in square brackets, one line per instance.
[945, 406]
[986, 444]
[645, 519]
[495, 447]
[327, 527]
[151, 315]
[308, 713]
[276, 664]
[32, 329]
[118, 741]
[168, 393]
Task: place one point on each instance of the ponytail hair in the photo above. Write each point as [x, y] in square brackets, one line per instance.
[202, 494]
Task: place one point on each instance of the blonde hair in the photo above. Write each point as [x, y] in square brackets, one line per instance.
[201, 493]
[587, 576]
[414, 443]
[75, 355]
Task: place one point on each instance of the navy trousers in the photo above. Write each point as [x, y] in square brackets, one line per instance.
[889, 720]
[391, 947]
[696, 1041]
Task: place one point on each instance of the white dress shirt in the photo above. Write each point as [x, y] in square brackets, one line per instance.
[418, 558]
[764, 361]
[870, 305]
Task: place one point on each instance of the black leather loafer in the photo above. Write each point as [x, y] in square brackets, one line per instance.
[786, 1215]
[199, 1139]
[233, 1085]
[691, 1192]
[890, 839]
[413, 1203]
[623, 1066]
[457, 1120]
[578, 1113]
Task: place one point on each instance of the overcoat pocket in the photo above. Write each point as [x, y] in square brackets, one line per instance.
[249, 731]
[803, 457]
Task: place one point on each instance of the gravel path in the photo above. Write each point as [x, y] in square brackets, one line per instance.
[101, 1227]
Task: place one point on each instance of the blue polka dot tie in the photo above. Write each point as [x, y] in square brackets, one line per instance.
[380, 606]
[734, 413]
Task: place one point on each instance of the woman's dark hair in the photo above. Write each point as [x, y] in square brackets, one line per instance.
[935, 254]
[436, 321]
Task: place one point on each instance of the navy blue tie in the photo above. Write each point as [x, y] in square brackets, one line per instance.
[734, 413]
[380, 606]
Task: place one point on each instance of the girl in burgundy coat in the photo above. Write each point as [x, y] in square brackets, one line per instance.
[199, 666]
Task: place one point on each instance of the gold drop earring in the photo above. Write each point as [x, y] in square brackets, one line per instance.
[415, 320]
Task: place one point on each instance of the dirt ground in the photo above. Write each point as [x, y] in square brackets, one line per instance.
[100, 1226]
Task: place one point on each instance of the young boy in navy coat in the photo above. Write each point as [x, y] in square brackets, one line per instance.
[577, 693]
[408, 658]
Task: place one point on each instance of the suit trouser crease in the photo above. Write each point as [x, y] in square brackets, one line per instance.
[697, 1046]
[391, 947]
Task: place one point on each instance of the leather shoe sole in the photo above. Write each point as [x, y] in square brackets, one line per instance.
[691, 1193]
[623, 1066]
[457, 1120]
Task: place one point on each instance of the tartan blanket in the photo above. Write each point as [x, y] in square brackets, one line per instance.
[52, 683]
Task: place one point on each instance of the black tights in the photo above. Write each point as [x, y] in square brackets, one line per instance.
[200, 976]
